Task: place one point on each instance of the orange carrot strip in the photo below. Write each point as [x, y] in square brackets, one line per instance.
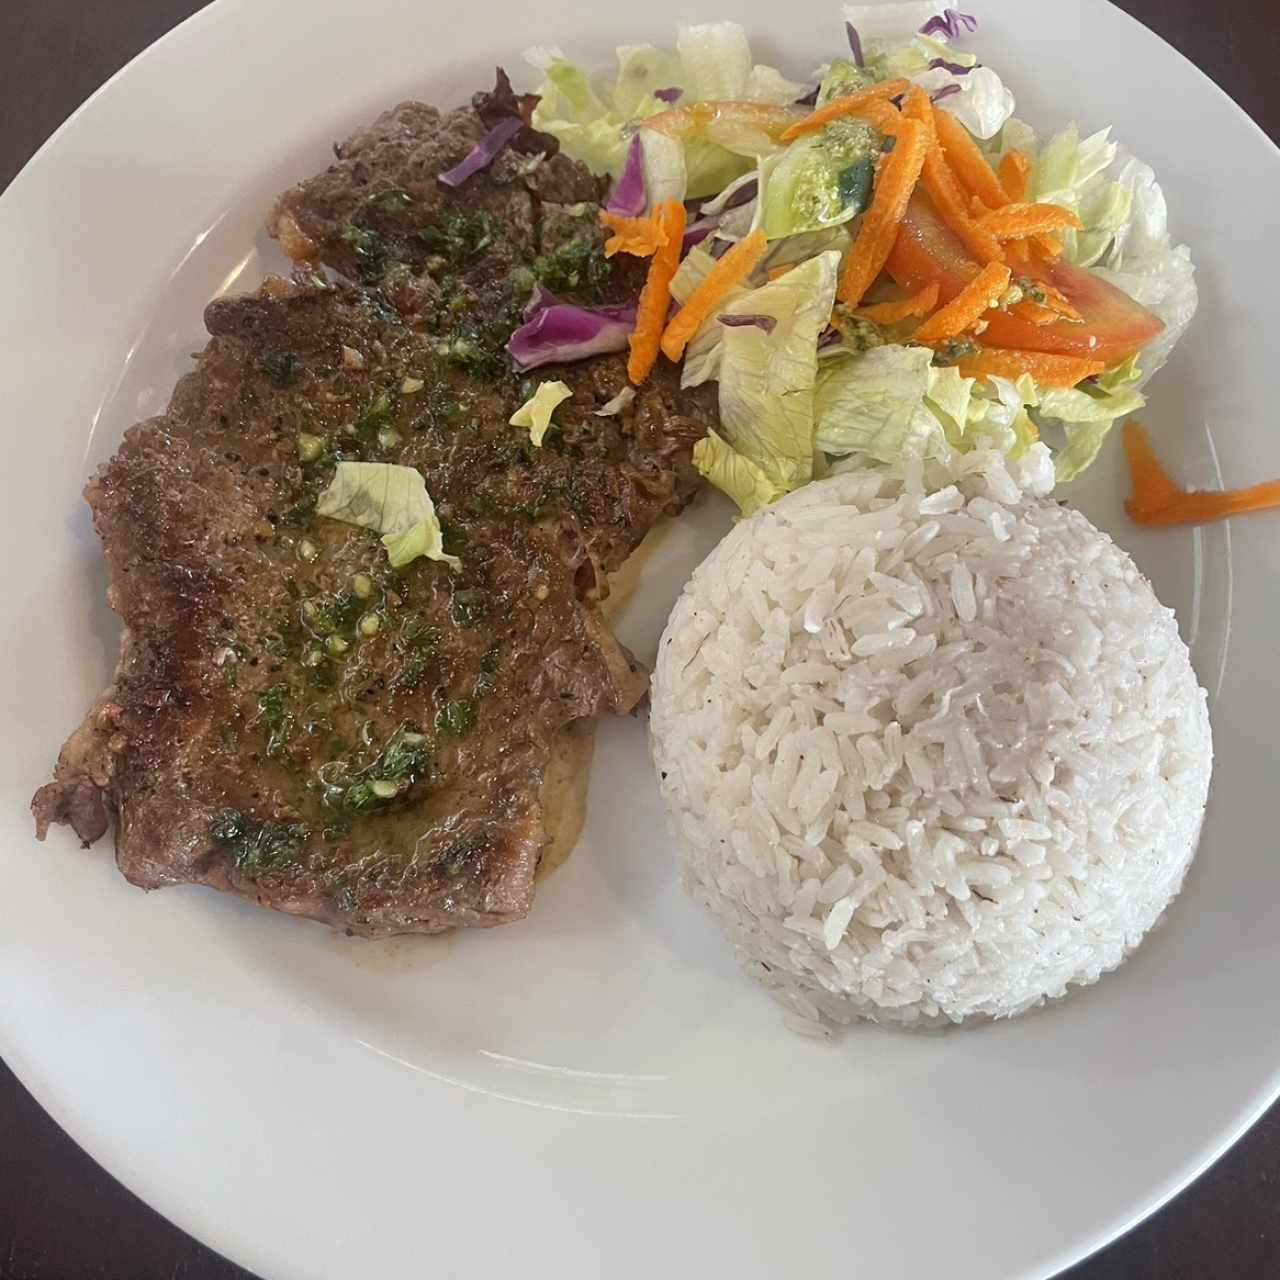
[919, 304]
[899, 173]
[1048, 370]
[967, 161]
[638, 236]
[1015, 175]
[1157, 500]
[942, 186]
[1017, 221]
[1056, 301]
[1034, 312]
[1017, 251]
[736, 265]
[966, 308]
[850, 105]
[882, 115]
[655, 297]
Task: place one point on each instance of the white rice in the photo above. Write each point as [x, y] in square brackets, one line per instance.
[928, 757]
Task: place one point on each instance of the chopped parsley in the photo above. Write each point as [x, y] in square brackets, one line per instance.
[282, 368]
[370, 250]
[255, 846]
[273, 710]
[456, 718]
[580, 264]
[458, 237]
[469, 606]
[392, 200]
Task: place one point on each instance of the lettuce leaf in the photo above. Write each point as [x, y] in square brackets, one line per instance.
[883, 26]
[643, 69]
[873, 402]
[1085, 416]
[767, 84]
[666, 176]
[588, 128]
[735, 474]
[390, 500]
[948, 397]
[1126, 238]
[983, 103]
[712, 61]
[716, 57]
[536, 411]
[767, 379]
[702, 355]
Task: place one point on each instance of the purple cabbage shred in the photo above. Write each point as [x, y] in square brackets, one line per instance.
[945, 92]
[954, 67]
[560, 333]
[855, 44]
[539, 300]
[698, 231]
[628, 195]
[767, 323]
[949, 23]
[668, 95]
[484, 153]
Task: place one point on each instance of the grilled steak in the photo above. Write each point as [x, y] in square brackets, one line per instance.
[291, 719]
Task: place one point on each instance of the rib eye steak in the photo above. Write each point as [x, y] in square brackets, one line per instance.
[291, 719]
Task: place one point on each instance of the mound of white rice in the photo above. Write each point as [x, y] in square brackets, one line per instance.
[928, 758]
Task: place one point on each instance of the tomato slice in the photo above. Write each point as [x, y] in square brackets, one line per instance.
[1114, 325]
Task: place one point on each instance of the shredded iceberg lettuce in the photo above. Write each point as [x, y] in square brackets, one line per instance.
[767, 378]
[390, 500]
[788, 408]
[535, 413]
[735, 474]
[712, 62]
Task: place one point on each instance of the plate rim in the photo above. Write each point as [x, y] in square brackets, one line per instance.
[62, 1110]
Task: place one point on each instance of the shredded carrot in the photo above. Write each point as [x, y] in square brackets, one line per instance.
[1046, 247]
[966, 308]
[883, 115]
[1057, 302]
[735, 266]
[944, 189]
[1034, 312]
[917, 106]
[1017, 251]
[967, 161]
[639, 236]
[897, 178]
[1015, 175]
[1158, 500]
[918, 304]
[1048, 370]
[1017, 221]
[655, 297]
[850, 105]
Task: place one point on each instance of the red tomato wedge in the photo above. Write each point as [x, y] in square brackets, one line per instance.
[1114, 325]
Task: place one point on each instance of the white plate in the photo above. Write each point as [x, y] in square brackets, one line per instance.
[596, 1090]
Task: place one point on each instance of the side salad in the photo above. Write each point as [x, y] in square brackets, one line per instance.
[878, 265]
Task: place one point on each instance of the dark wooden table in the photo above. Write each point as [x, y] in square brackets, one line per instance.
[62, 1217]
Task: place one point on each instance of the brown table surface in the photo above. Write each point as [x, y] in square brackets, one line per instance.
[63, 1218]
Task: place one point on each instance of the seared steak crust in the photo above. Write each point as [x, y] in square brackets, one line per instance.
[291, 719]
